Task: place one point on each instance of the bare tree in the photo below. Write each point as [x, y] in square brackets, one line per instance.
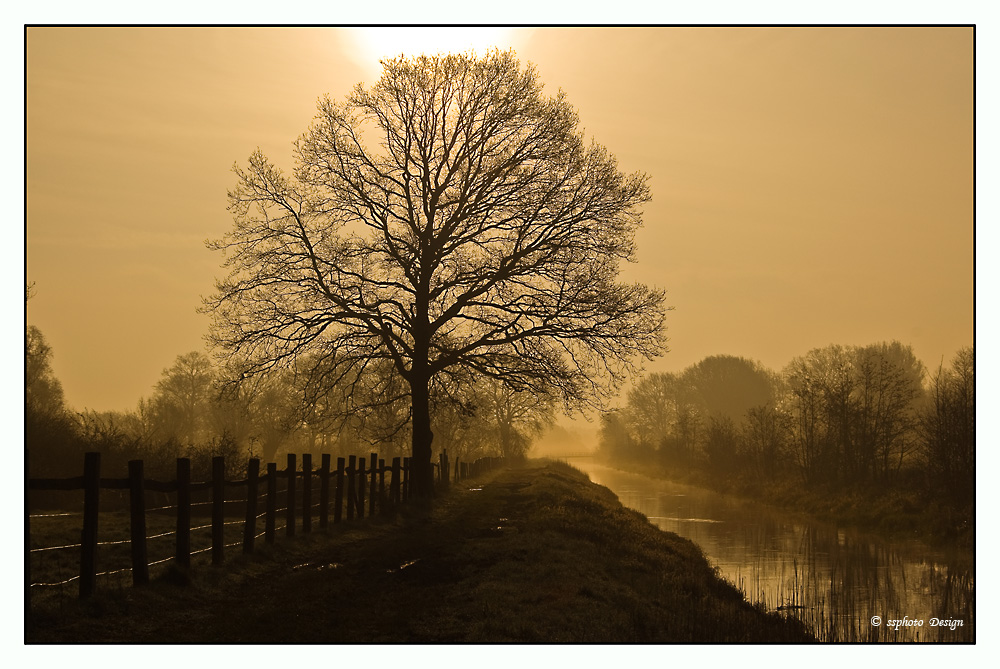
[181, 404]
[448, 219]
[654, 405]
[43, 393]
[889, 378]
[516, 417]
[804, 403]
[764, 439]
[948, 427]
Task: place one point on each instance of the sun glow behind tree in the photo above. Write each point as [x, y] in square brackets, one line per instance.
[368, 46]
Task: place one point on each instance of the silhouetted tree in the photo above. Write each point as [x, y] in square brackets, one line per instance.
[50, 434]
[722, 446]
[180, 407]
[854, 409]
[889, 379]
[515, 417]
[43, 393]
[764, 438]
[262, 412]
[616, 443]
[728, 386]
[654, 406]
[804, 403]
[948, 429]
[449, 218]
[488, 418]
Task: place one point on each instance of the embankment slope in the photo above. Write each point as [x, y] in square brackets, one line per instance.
[532, 554]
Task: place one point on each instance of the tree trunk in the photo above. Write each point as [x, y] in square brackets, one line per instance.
[421, 472]
[269, 449]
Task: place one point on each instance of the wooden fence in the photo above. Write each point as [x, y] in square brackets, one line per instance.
[360, 481]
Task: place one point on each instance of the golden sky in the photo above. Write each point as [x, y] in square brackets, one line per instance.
[810, 185]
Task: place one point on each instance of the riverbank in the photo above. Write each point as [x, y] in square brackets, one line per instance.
[533, 555]
[899, 513]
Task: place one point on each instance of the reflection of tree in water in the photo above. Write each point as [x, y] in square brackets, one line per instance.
[953, 594]
[842, 581]
[833, 580]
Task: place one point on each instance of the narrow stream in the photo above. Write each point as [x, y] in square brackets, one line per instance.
[838, 581]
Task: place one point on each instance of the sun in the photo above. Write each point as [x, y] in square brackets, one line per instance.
[370, 45]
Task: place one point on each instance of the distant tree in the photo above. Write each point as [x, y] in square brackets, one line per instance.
[462, 428]
[728, 385]
[264, 412]
[516, 417]
[948, 429]
[829, 376]
[616, 443]
[654, 405]
[804, 403]
[43, 393]
[50, 433]
[890, 382]
[853, 409]
[765, 434]
[181, 403]
[449, 218]
[721, 445]
[121, 436]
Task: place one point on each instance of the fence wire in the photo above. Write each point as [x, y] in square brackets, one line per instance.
[365, 482]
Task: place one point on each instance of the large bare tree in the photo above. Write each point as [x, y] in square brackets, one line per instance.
[453, 221]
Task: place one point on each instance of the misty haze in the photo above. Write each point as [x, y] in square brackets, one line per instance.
[493, 335]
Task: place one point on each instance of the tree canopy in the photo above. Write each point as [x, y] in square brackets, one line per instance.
[452, 222]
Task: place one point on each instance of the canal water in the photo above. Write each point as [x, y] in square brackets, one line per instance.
[846, 585]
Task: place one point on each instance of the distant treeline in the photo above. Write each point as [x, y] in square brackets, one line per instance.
[198, 410]
[857, 418]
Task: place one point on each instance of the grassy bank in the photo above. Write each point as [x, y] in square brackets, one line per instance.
[535, 554]
[904, 511]
[896, 512]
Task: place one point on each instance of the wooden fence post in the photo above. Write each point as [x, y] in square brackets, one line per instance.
[182, 554]
[394, 494]
[290, 507]
[444, 469]
[362, 484]
[406, 479]
[272, 502]
[137, 522]
[91, 505]
[373, 488]
[324, 491]
[250, 526]
[458, 463]
[352, 493]
[218, 508]
[381, 487]
[338, 498]
[307, 492]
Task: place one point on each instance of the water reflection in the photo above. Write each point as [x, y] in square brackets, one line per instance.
[835, 580]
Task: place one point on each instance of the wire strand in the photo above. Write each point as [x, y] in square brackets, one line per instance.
[55, 548]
